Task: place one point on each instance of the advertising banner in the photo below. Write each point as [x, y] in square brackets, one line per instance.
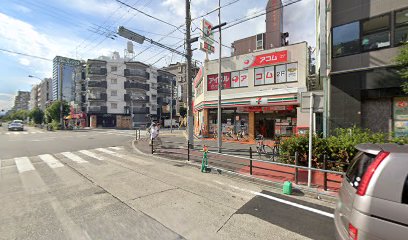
[291, 70]
[243, 77]
[269, 75]
[235, 79]
[280, 73]
[212, 81]
[401, 108]
[266, 59]
[259, 76]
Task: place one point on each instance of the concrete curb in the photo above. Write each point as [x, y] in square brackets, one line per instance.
[217, 170]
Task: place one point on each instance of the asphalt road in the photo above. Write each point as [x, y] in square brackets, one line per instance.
[94, 185]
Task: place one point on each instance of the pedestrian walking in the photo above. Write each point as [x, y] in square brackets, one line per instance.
[154, 132]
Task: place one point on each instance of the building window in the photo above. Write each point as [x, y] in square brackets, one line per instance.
[212, 81]
[114, 81]
[375, 33]
[114, 93]
[114, 105]
[346, 39]
[114, 68]
[401, 27]
[280, 73]
[259, 42]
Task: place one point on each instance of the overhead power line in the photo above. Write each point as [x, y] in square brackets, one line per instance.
[25, 54]
[244, 19]
[214, 10]
[148, 15]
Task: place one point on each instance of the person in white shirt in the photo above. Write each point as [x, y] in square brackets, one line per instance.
[154, 132]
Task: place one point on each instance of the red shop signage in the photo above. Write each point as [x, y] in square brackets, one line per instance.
[266, 59]
[212, 81]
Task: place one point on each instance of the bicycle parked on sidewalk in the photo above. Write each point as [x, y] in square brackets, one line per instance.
[262, 149]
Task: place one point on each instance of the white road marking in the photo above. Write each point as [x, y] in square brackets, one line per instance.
[105, 151]
[91, 154]
[74, 157]
[116, 148]
[51, 161]
[16, 133]
[8, 133]
[23, 164]
[310, 209]
[25, 132]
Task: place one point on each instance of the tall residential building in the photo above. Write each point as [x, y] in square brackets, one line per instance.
[44, 93]
[116, 88]
[33, 97]
[271, 38]
[363, 85]
[21, 101]
[64, 74]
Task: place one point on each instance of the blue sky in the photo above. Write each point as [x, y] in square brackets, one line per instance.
[64, 27]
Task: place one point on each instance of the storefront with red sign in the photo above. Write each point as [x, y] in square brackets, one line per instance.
[259, 93]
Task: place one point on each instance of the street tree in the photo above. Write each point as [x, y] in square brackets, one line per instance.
[20, 115]
[53, 111]
[402, 61]
[37, 115]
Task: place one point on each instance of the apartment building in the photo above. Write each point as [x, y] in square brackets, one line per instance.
[21, 101]
[116, 89]
[44, 93]
[180, 94]
[33, 97]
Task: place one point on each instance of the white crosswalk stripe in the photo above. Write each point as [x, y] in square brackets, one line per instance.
[51, 161]
[105, 151]
[116, 148]
[23, 164]
[91, 154]
[73, 157]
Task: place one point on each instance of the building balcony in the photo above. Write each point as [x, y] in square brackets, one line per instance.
[164, 90]
[165, 80]
[99, 97]
[97, 71]
[141, 110]
[97, 109]
[97, 84]
[136, 73]
[141, 99]
[136, 85]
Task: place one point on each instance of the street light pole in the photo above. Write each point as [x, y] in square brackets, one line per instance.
[220, 83]
[61, 100]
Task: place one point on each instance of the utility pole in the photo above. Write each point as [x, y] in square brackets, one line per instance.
[220, 82]
[190, 117]
[171, 108]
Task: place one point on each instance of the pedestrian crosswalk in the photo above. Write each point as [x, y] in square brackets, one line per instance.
[21, 133]
[60, 160]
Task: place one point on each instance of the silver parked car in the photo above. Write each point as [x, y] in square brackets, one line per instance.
[373, 200]
[16, 125]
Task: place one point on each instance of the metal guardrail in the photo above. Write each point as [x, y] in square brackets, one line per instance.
[251, 160]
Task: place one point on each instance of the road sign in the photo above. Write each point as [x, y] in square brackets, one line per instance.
[318, 101]
[207, 37]
[126, 33]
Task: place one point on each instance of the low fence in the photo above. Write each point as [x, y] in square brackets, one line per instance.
[242, 161]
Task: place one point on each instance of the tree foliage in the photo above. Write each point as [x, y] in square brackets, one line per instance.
[52, 113]
[402, 61]
[20, 115]
[37, 115]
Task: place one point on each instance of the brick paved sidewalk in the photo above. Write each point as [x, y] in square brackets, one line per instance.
[236, 159]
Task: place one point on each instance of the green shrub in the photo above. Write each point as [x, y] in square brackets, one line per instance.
[339, 148]
[55, 125]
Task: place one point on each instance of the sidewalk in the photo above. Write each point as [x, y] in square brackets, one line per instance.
[235, 158]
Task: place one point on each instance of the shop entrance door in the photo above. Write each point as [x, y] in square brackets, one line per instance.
[270, 128]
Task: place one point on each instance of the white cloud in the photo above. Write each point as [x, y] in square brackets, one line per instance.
[21, 8]
[24, 61]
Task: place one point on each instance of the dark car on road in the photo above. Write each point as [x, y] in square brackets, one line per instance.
[16, 125]
[373, 200]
